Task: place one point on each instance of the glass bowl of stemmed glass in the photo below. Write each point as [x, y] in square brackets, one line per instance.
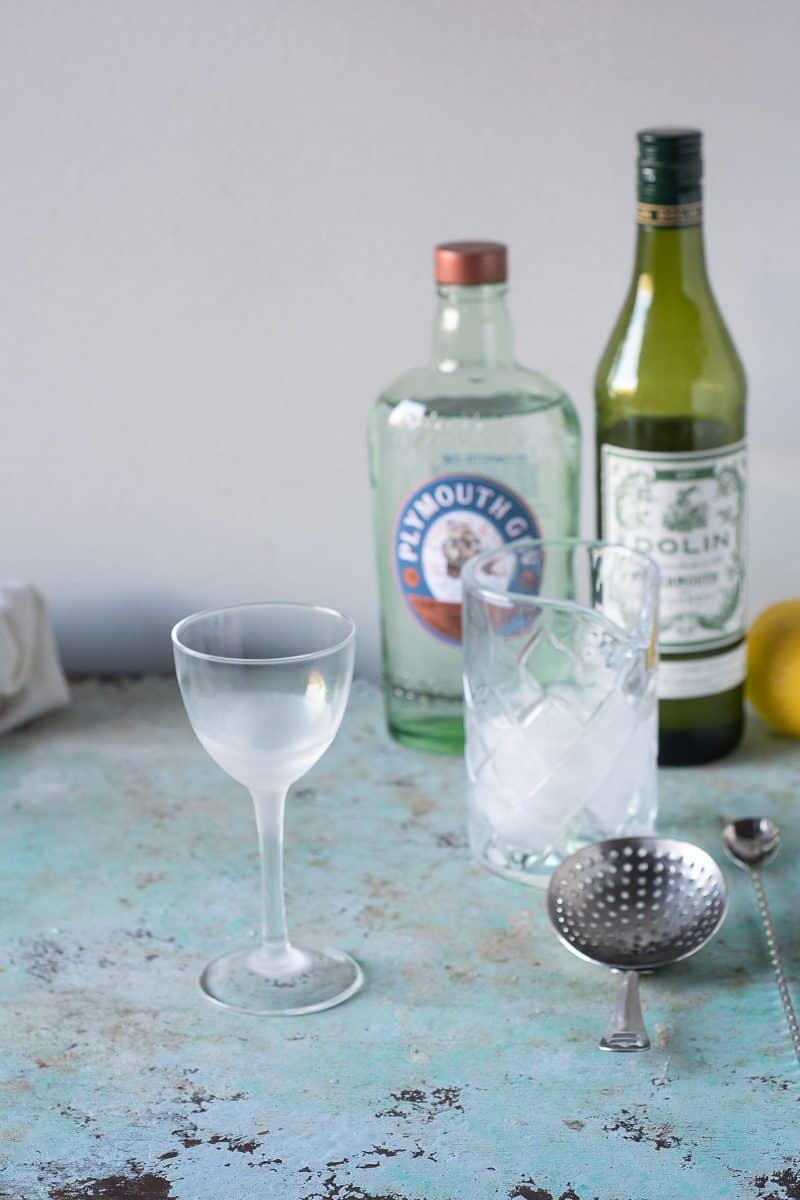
[265, 687]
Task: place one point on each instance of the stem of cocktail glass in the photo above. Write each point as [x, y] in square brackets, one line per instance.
[270, 806]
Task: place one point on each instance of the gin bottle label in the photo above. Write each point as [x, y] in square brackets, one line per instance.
[439, 527]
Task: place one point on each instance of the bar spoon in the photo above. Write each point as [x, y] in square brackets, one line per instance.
[751, 842]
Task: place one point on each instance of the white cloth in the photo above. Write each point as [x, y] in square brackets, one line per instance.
[31, 679]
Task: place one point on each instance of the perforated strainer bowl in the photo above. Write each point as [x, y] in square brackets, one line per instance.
[635, 904]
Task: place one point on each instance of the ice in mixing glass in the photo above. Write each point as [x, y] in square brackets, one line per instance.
[560, 701]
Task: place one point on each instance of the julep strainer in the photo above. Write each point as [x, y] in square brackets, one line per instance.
[635, 904]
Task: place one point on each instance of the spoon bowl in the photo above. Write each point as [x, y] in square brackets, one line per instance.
[751, 841]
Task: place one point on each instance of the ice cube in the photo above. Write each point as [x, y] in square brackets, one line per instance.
[504, 788]
[624, 793]
[520, 696]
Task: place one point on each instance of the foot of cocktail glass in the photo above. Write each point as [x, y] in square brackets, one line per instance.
[276, 978]
[305, 981]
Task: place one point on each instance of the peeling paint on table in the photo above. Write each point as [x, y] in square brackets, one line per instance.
[468, 1067]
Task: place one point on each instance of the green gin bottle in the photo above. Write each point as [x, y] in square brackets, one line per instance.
[670, 392]
[467, 453]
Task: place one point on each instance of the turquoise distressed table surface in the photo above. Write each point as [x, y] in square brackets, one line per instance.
[468, 1067]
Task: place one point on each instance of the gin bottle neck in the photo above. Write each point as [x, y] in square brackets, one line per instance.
[472, 328]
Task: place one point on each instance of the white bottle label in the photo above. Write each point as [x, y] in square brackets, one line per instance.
[687, 511]
[689, 678]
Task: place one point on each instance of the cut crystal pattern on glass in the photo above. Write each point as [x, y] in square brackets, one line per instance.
[561, 712]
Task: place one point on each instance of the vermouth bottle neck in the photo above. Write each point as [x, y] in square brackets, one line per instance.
[472, 327]
[673, 260]
[670, 257]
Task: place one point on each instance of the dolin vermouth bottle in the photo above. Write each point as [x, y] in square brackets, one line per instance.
[467, 453]
[670, 393]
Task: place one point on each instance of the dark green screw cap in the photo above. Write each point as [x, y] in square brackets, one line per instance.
[670, 165]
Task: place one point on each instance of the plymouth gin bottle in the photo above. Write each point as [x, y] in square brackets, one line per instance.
[467, 453]
[670, 393]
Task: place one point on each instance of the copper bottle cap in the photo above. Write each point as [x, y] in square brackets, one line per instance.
[470, 263]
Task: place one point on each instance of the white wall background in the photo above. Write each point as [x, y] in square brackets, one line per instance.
[216, 221]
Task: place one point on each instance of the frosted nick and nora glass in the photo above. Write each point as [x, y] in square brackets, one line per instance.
[265, 687]
[561, 709]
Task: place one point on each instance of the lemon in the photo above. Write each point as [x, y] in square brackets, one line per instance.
[773, 666]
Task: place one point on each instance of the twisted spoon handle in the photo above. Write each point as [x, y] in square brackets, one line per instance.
[775, 955]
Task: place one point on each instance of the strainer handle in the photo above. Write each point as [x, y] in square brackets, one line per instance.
[626, 1029]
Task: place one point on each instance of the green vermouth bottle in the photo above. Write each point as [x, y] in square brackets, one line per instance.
[466, 453]
[670, 392]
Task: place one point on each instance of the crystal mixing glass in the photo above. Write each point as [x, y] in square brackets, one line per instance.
[559, 682]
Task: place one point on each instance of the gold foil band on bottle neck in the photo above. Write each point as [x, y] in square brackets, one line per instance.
[669, 216]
